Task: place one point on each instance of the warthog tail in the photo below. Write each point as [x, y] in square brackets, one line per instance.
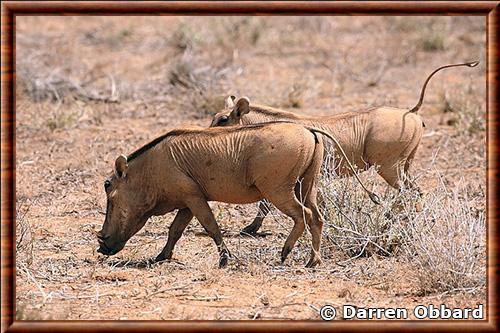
[374, 197]
[422, 93]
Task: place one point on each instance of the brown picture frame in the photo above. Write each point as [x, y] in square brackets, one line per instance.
[11, 9]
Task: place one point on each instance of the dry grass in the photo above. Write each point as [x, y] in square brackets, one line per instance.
[24, 234]
[446, 242]
[465, 108]
[358, 227]
[443, 240]
[199, 86]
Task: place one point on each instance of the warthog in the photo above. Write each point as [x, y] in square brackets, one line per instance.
[384, 136]
[186, 168]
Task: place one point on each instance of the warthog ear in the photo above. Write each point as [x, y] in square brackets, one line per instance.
[242, 107]
[121, 166]
[230, 102]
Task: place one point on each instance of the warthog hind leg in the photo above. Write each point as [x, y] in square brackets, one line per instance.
[309, 194]
[396, 174]
[251, 229]
[315, 227]
[298, 213]
[288, 204]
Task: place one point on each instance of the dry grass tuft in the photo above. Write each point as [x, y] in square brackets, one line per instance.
[432, 41]
[230, 32]
[444, 241]
[358, 227]
[200, 87]
[24, 235]
[467, 109]
[432, 36]
[41, 81]
[300, 94]
[183, 38]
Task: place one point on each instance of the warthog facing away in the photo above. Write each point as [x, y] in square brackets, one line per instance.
[184, 169]
[383, 136]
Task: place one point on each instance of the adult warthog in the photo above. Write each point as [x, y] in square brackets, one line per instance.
[383, 136]
[186, 168]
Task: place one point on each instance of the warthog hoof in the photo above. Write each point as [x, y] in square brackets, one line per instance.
[250, 230]
[285, 252]
[314, 261]
[162, 257]
[223, 258]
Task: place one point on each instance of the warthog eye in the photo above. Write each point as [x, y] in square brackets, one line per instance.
[107, 184]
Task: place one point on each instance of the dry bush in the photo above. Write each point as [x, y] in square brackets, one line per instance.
[432, 35]
[109, 36]
[467, 109]
[295, 96]
[58, 74]
[432, 41]
[199, 87]
[444, 241]
[24, 236]
[300, 93]
[357, 226]
[183, 77]
[229, 32]
[347, 66]
[58, 87]
[41, 80]
[183, 38]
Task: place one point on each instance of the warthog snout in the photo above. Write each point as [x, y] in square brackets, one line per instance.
[105, 246]
[108, 250]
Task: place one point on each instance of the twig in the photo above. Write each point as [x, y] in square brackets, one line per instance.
[206, 298]
[38, 285]
[164, 290]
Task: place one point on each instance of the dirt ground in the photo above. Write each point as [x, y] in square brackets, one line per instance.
[91, 88]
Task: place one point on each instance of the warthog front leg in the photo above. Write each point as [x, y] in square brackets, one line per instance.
[203, 213]
[251, 229]
[181, 220]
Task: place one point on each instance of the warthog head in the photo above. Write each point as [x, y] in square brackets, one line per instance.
[129, 205]
[232, 112]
